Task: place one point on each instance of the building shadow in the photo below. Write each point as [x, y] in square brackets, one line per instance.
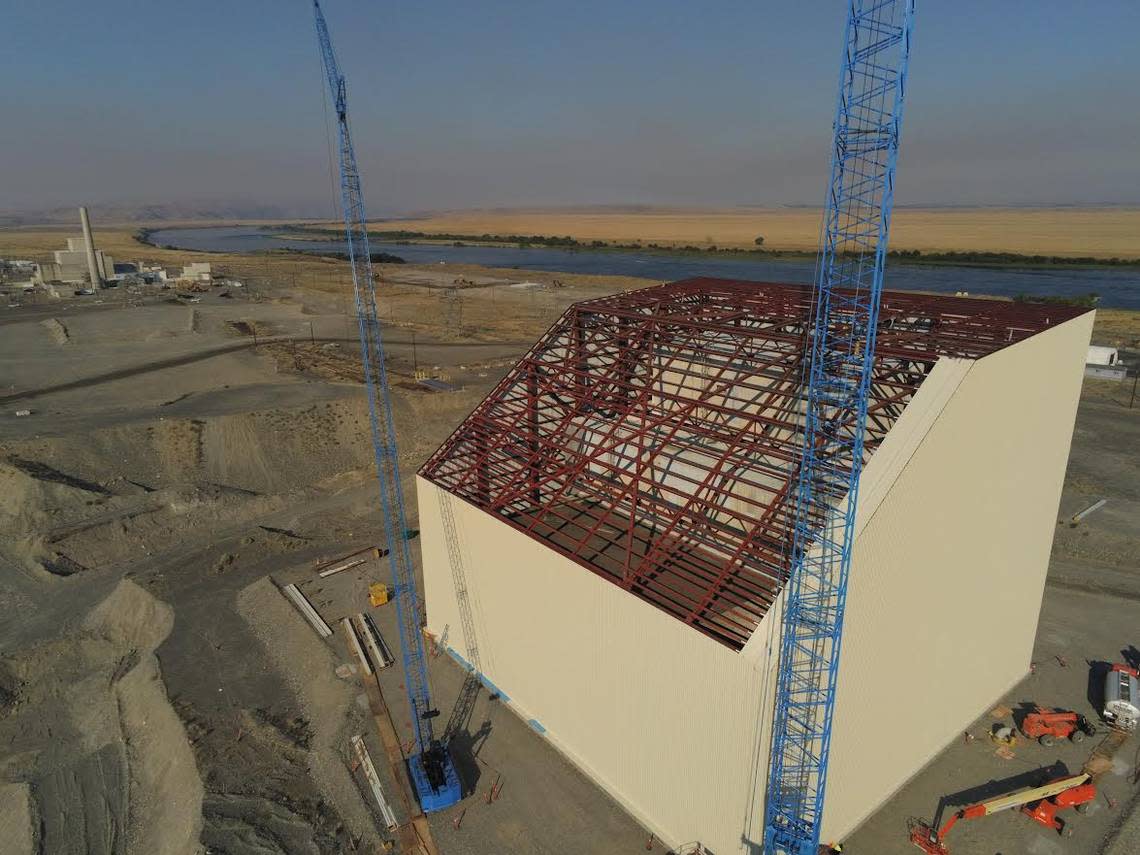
[1098, 671]
[1131, 656]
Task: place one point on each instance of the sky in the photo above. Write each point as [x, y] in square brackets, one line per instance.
[460, 104]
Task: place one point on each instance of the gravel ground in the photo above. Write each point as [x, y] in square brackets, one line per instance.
[1088, 618]
[185, 458]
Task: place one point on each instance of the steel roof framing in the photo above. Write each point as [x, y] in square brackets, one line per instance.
[650, 435]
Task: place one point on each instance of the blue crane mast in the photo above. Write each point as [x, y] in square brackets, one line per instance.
[839, 355]
[430, 766]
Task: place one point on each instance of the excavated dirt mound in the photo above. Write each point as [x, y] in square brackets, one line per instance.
[308, 667]
[267, 719]
[17, 822]
[91, 733]
[123, 494]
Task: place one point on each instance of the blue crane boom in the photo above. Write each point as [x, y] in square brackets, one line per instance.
[841, 338]
[430, 766]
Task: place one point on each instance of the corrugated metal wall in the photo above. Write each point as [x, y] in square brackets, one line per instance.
[647, 706]
[949, 569]
[956, 523]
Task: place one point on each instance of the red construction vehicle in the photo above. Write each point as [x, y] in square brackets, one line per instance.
[1045, 811]
[1047, 726]
[1040, 804]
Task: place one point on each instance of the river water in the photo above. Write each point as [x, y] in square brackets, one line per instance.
[1118, 288]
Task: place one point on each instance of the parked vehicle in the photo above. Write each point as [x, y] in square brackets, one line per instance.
[1122, 697]
[1041, 804]
[1049, 725]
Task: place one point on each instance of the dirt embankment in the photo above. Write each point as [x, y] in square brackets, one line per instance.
[327, 702]
[57, 331]
[98, 762]
[122, 494]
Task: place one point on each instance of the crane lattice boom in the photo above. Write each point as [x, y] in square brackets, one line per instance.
[841, 339]
[431, 768]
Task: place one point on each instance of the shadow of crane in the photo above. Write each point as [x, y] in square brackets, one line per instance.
[464, 744]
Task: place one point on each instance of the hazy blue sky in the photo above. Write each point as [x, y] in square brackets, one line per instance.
[459, 104]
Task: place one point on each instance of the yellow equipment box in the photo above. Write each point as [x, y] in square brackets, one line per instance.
[378, 594]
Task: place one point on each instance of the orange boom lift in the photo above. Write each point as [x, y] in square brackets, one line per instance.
[1041, 804]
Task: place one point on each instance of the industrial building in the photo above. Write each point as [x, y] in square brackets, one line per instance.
[621, 500]
[70, 265]
[1103, 363]
[80, 262]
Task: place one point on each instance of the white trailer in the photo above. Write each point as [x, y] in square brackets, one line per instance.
[1121, 698]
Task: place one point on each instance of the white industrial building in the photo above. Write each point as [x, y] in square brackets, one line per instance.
[80, 262]
[70, 265]
[1101, 355]
[197, 271]
[620, 501]
[1103, 363]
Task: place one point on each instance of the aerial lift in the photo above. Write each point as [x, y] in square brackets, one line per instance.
[430, 765]
[1049, 725]
[839, 346]
[1041, 804]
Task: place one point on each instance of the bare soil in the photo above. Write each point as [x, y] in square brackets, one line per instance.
[157, 693]
[176, 458]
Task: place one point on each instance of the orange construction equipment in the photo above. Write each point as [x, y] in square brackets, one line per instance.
[1045, 811]
[1074, 791]
[1047, 726]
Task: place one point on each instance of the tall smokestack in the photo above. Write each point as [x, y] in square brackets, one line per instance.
[89, 240]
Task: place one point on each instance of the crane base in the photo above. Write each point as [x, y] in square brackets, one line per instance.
[435, 798]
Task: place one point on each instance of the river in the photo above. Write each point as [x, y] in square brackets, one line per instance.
[1118, 287]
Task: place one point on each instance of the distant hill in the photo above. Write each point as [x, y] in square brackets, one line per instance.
[138, 213]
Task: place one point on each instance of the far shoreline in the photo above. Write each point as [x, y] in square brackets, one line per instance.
[911, 258]
[953, 258]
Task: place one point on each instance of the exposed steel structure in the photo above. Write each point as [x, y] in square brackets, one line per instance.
[651, 435]
[429, 765]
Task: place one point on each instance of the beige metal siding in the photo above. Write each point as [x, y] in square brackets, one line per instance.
[662, 717]
[949, 569]
[955, 519]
